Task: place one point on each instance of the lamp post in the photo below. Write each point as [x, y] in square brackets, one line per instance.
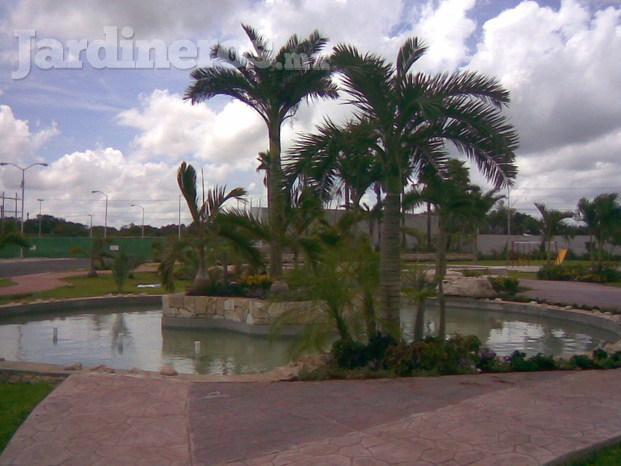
[90, 231]
[40, 216]
[23, 169]
[106, 213]
[142, 227]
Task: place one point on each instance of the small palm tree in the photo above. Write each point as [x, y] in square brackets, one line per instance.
[204, 215]
[274, 85]
[13, 237]
[97, 254]
[551, 225]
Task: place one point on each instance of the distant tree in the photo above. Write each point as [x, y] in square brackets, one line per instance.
[97, 254]
[602, 217]
[551, 225]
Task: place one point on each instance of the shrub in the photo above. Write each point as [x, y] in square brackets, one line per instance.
[378, 345]
[349, 354]
[578, 272]
[544, 363]
[507, 286]
[399, 359]
[519, 363]
[582, 361]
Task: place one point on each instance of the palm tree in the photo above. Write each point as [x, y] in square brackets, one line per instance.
[13, 237]
[204, 216]
[274, 85]
[602, 217]
[411, 117]
[587, 214]
[97, 254]
[551, 225]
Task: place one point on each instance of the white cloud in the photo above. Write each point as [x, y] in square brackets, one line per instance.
[172, 129]
[19, 143]
[562, 69]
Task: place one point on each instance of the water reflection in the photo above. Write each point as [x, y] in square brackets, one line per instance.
[134, 338]
[507, 332]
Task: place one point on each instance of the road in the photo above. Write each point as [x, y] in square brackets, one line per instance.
[19, 267]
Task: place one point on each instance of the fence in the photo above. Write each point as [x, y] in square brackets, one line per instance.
[61, 247]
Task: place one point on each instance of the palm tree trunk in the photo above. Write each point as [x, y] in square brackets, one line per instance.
[368, 309]
[419, 323]
[390, 260]
[428, 226]
[440, 273]
[475, 247]
[275, 200]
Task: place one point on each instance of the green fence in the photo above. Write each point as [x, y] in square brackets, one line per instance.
[61, 247]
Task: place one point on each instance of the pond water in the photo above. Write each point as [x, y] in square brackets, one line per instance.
[134, 338]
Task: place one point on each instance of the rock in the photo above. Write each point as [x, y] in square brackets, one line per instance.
[101, 367]
[135, 370]
[168, 370]
[472, 287]
[613, 347]
[568, 308]
[76, 366]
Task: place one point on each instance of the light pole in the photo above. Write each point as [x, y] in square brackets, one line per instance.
[142, 227]
[90, 231]
[23, 169]
[40, 201]
[106, 213]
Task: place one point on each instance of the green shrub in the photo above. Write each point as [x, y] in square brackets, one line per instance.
[582, 361]
[544, 363]
[518, 362]
[377, 347]
[579, 272]
[507, 286]
[399, 359]
[349, 354]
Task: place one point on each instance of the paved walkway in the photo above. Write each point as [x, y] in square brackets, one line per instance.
[509, 419]
[570, 293]
[35, 283]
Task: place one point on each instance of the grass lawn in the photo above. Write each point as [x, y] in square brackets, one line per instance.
[5, 282]
[605, 457]
[82, 287]
[16, 402]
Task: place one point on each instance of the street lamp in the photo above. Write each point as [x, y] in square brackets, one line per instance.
[23, 169]
[90, 231]
[142, 227]
[106, 213]
[40, 216]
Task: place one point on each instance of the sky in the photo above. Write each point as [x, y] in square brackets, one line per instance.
[124, 131]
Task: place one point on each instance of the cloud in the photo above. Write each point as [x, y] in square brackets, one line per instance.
[562, 68]
[78, 19]
[171, 128]
[19, 143]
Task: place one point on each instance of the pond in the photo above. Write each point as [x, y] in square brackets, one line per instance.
[134, 338]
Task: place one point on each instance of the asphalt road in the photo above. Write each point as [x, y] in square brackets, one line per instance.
[19, 267]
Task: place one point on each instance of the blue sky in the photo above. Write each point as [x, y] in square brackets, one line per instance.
[125, 132]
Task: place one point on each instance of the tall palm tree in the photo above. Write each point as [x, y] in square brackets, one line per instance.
[274, 85]
[412, 117]
[551, 225]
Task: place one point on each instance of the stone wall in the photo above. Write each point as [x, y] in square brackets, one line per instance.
[248, 315]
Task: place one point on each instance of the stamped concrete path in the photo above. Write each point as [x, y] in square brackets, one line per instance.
[510, 419]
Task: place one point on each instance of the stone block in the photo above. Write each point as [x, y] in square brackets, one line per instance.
[174, 300]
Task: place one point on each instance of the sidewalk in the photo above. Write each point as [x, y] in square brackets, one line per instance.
[512, 419]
